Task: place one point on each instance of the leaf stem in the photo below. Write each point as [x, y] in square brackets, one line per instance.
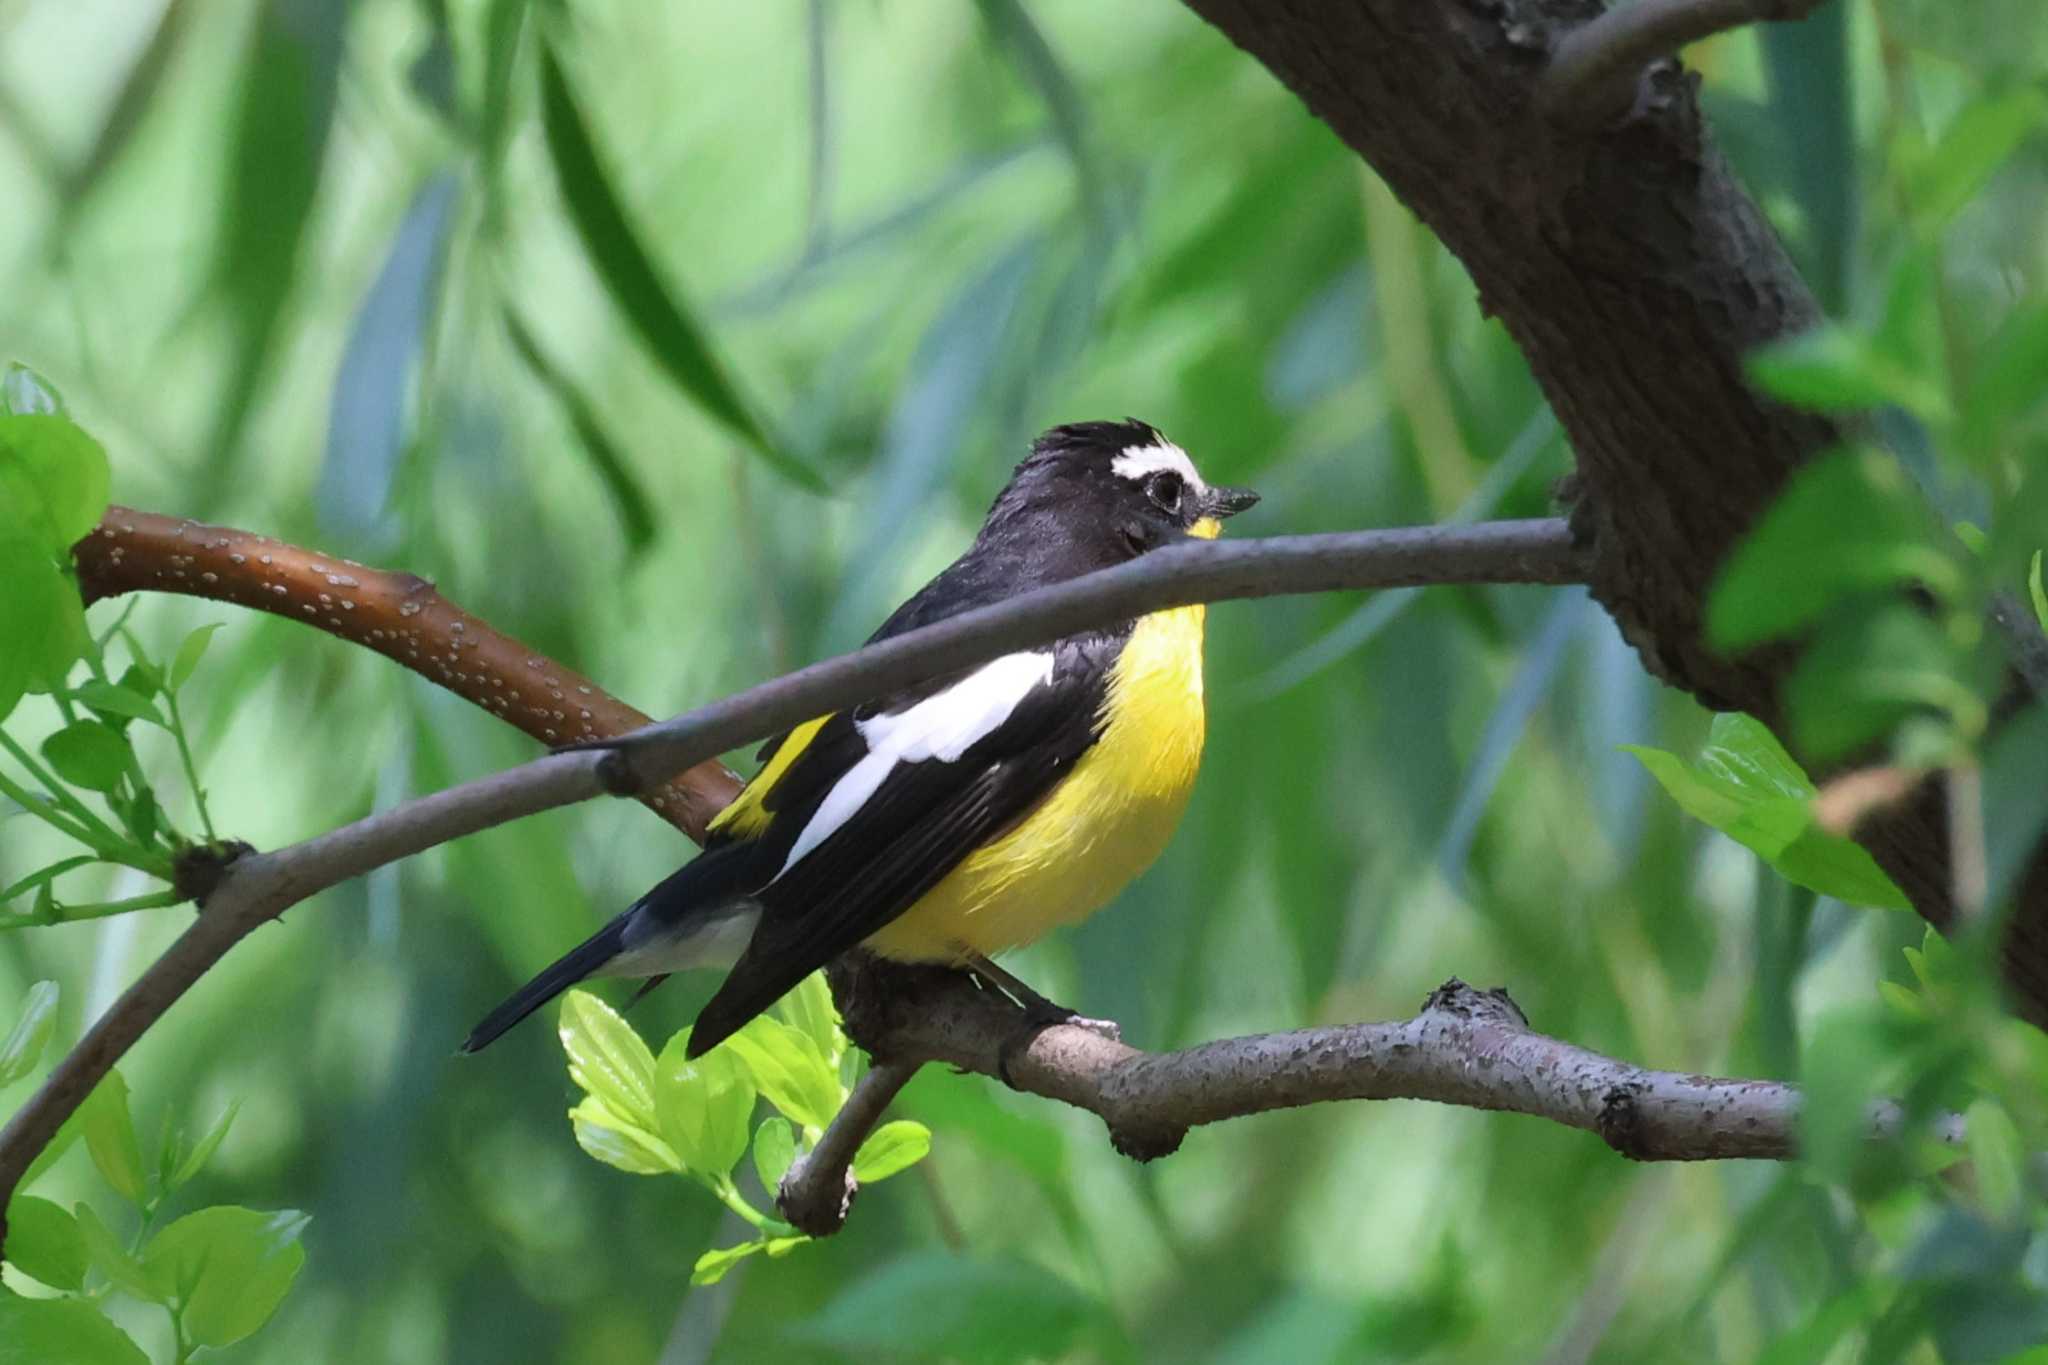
[60, 793]
[149, 900]
[42, 810]
[191, 769]
[729, 1195]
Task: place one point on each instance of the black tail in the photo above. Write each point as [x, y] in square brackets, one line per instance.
[579, 962]
[679, 903]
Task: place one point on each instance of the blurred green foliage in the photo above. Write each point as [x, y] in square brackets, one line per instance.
[683, 342]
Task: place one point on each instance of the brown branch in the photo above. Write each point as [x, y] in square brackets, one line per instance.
[818, 1191]
[258, 888]
[1594, 68]
[400, 615]
[1466, 1047]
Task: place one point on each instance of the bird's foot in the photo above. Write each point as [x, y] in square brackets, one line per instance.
[1038, 1020]
[1040, 1014]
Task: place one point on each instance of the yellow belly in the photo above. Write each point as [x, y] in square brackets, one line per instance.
[1097, 830]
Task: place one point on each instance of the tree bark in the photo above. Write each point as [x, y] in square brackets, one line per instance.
[1634, 272]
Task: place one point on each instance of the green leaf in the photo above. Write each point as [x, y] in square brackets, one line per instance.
[636, 286]
[196, 1159]
[110, 1257]
[713, 1266]
[190, 650]
[703, 1106]
[1979, 140]
[70, 1331]
[41, 617]
[789, 1070]
[90, 753]
[808, 1009]
[1747, 786]
[1903, 1001]
[621, 484]
[112, 699]
[228, 1267]
[138, 95]
[1867, 671]
[1844, 1066]
[2005, 386]
[54, 479]
[774, 1152]
[936, 1304]
[1998, 1155]
[1815, 1338]
[109, 1133]
[283, 99]
[1847, 523]
[607, 1058]
[893, 1147]
[1828, 369]
[25, 1042]
[44, 1243]
[621, 1143]
[139, 816]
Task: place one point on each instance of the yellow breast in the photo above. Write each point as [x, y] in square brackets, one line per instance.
[1099, 828]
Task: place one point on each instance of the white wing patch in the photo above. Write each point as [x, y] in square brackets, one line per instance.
[943, 726]
[1135, 462]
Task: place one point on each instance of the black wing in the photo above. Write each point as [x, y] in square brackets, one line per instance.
[904, 838]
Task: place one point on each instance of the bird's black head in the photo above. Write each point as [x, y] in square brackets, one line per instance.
[1108, 491]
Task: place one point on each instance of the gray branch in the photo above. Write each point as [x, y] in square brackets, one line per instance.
[818, 1191]
[1534, 551]
[1466, 1047]
[1593, 72]
[258, 888]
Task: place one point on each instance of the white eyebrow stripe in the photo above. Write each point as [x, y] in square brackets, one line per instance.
[943, 726]
[1135, 462]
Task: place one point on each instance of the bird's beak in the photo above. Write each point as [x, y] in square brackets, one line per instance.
[1228, 502]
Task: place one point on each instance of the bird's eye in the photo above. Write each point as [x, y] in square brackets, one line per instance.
[1165, 489]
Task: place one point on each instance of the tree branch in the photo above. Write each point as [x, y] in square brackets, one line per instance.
[400, 615]
[818, 1191]
[1536, 551]
[1466, 1047]
[1635, 275]
[259, 888]
[1594, 68]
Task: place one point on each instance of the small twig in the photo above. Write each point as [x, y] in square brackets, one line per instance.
[1593, 71]
[1968, 857]
[817, 1193]
[1846, 800]
[1466, 1047]
[400, 615]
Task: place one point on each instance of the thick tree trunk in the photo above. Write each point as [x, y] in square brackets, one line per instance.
[1634, 272]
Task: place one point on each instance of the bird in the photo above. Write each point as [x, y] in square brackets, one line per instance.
[950, 821]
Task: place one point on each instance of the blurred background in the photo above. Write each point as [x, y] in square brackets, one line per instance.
[316, 269]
